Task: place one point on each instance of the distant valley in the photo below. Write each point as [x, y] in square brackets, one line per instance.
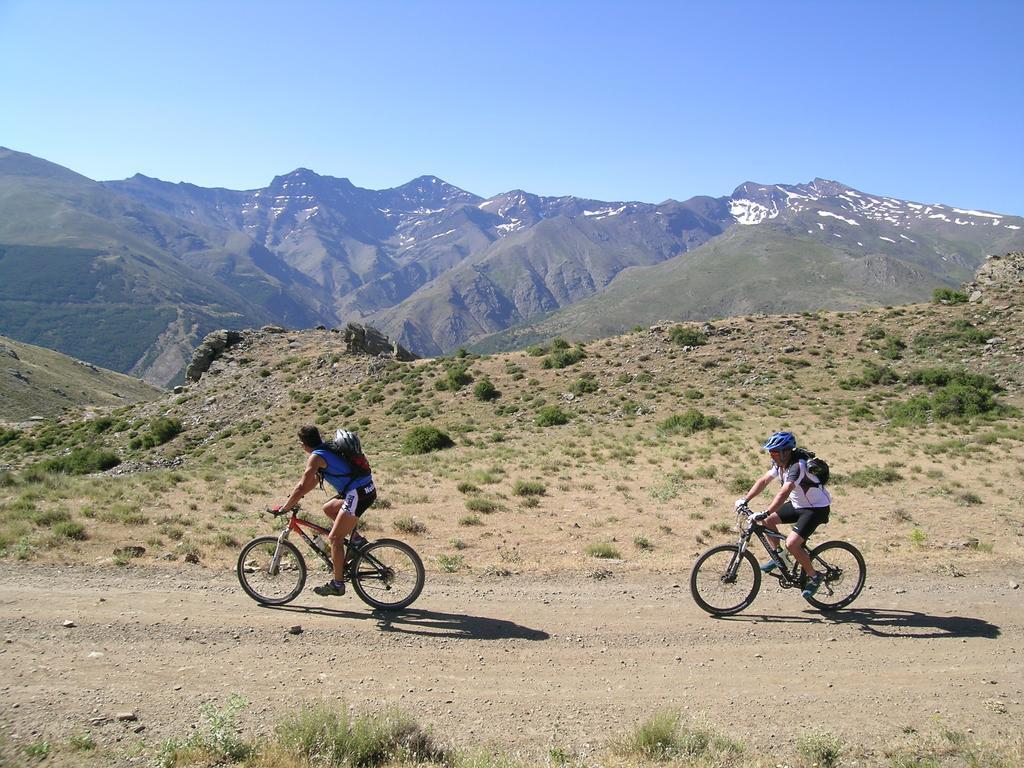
[132, 274]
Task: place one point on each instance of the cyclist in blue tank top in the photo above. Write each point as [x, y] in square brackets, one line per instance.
[355, 494]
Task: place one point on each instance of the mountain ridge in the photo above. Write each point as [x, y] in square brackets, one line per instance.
[437, 267]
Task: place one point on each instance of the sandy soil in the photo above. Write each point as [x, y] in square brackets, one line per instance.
[519, 663]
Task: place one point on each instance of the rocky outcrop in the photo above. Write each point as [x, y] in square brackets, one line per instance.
[213, 346]
[367, 340]
[995, 275]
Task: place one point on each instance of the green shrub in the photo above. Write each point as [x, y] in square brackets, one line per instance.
[485, 390]
[603, 550]
[873, 375]
[449, 563]
[465, 487]
[529, 488]
[81, 461]
[584, 385]
[329, 736]
[872, 476]
[70, 529]
[551, 416]
[821, 750]
[8, 436]
[689, 422]
[483, 505]
[469, 520]
[456, 378]
[687, 337]
[425, 439]
[962, 333]
[949, 296]
[163, 429]
[563, 358]
[214, 742]
[409, 525]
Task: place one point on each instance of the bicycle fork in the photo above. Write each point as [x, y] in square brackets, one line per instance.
[275, 561]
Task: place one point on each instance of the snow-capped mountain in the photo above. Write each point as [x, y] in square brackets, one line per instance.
[435, 266]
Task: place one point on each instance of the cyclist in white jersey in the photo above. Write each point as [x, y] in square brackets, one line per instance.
[802, 500]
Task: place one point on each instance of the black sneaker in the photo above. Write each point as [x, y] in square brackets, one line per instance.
[331, 588]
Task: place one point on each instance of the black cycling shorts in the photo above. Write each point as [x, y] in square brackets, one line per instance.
[807, 519]
[358, 500]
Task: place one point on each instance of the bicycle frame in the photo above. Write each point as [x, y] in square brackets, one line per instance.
[296, 524]
[788, 577]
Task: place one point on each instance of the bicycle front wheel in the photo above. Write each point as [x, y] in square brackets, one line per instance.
[845, 571]
[723, 582]
[388, 575]
[261, 580]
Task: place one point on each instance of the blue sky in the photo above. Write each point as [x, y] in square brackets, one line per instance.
[616, 101]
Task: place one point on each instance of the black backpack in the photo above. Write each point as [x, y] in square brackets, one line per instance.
[815, 465]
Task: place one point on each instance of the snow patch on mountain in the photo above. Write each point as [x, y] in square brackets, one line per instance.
[851, 222]
[747, 212]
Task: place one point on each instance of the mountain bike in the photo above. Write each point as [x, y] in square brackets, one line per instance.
[387, 574]
[726, 578]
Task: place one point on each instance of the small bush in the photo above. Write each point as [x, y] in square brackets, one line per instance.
[449, 563]
[409, 525]
[949, 296]
[485, 390]
[483, 505]
[326, 736]
[529, 488]
[686, 336]
[688, 423]
[584, 385]
[470, 520]
[214, 742]
[70, 529]
[603, 550]
[642, 542]
[456, 378]
[425, 439]
[81, 461]
[872, 476]
[551, 416]
[820, 750]
[465, 487]
[563, 358]
[873, 375]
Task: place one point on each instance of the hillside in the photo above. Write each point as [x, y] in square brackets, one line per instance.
[637, 444]
[41, 383]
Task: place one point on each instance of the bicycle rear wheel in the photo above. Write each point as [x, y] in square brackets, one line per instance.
[845, 571]
[255, 566]
[387, 575]
[722, 582]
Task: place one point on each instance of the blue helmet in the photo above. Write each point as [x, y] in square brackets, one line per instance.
[780, 441]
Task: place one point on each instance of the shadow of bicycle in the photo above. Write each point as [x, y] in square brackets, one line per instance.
[891, 623]
[414, 621]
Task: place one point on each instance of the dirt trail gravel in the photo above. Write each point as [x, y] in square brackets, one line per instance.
[520, 663]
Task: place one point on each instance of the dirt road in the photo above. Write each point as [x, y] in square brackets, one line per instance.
[519, 663]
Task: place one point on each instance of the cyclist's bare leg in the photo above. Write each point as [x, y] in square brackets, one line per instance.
[342, 526]
[795, 545]
[772, 523]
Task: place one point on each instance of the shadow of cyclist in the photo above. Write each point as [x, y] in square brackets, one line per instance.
[414, 621]
[892, 623]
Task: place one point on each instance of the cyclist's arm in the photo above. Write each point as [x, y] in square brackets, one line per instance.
[781, 496]
[760, 484]
[308, 481]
